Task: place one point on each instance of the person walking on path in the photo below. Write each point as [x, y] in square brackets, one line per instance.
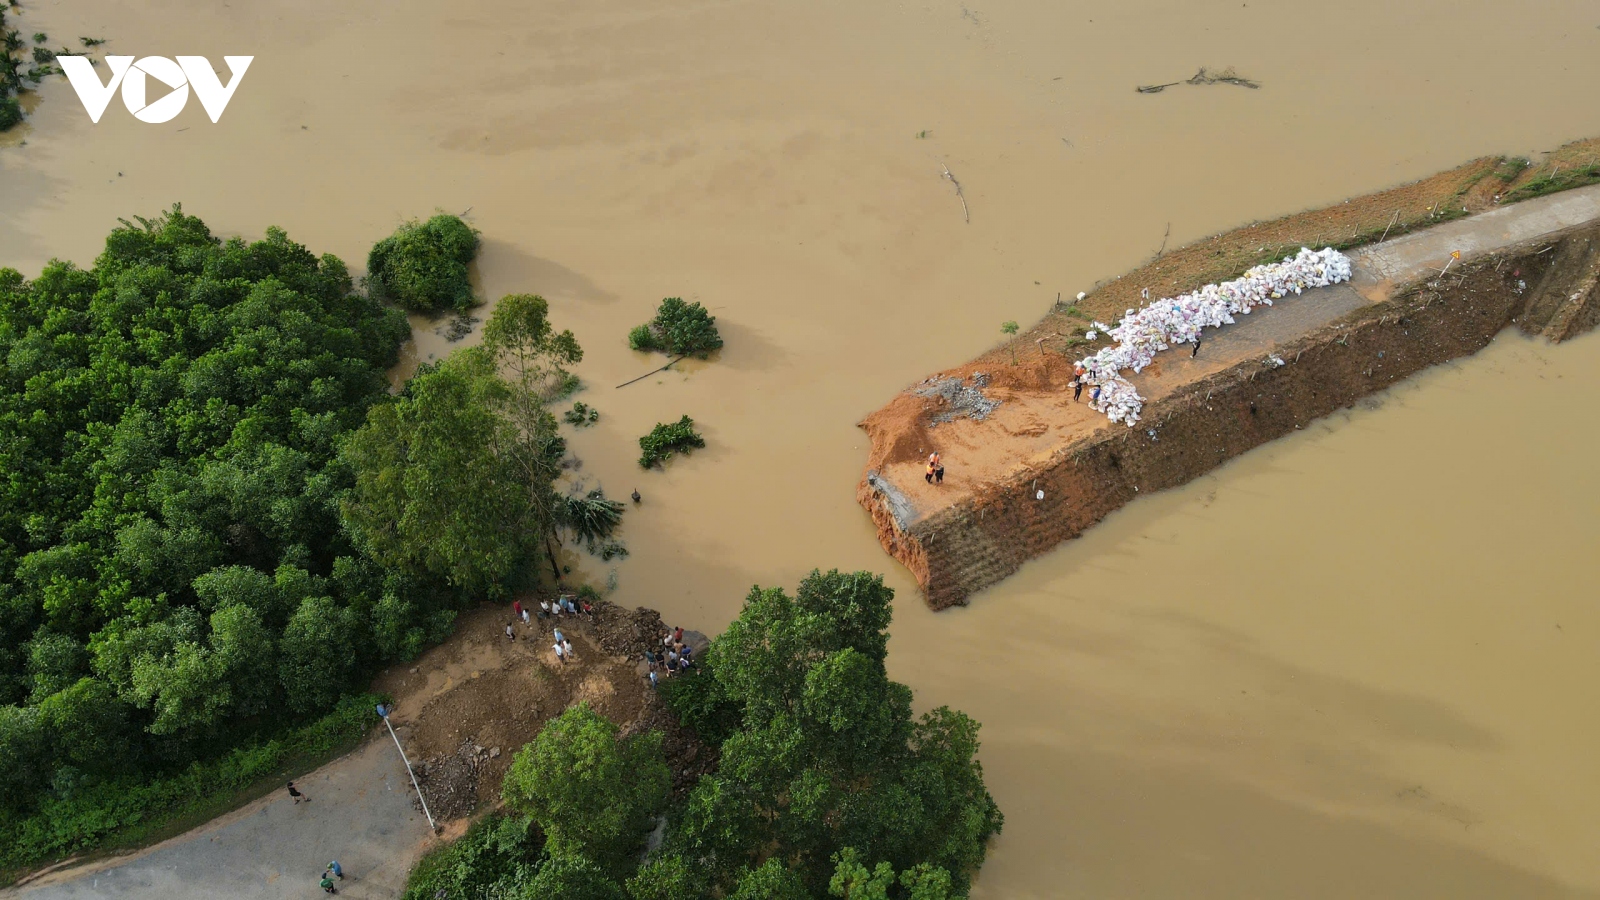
[1077, 387]
[327, 885]
[677, 635]
[524, 616]
[295, 793]
[336, 869]
[516, 609]
[655, 683]
[561, 653]
[511, 635]
[560, 638]
[544, 609]
[567, 646]
[1196, 351]
[568, 606]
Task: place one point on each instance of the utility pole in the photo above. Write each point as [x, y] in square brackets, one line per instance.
[383, 712]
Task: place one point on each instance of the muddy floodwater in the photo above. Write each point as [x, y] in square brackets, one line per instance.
[1359, 662]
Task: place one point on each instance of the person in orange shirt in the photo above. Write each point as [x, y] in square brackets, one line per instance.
[935, 473]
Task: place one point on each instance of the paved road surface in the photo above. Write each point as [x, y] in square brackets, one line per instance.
[360, 813]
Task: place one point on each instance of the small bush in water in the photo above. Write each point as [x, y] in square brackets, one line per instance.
[423, 265]
[665, 440]
[682, 329]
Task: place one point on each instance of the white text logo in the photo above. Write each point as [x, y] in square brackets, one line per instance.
[133, 78]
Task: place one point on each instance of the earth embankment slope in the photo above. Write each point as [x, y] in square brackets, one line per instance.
[1010, 430]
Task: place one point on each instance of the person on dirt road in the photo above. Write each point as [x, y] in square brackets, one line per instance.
[295, 793]
[561, 653]
[336, 870]
[510, 634]
[327, 885]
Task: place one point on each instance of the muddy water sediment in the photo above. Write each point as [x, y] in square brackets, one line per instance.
[1329, 668]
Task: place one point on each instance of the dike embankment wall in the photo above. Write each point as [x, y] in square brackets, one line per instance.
[1546, 286]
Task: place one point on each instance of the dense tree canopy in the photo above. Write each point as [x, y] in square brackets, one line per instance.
[423, 265]
[174, 570]
[826, 755]
[592, 794]
[679, 328]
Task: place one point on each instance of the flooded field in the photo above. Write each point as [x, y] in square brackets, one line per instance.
[1359, 662]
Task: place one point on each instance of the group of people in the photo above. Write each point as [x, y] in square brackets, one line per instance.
[563, 647]
[333, 870]
[675, 657]
[935, 473]
[561, 606]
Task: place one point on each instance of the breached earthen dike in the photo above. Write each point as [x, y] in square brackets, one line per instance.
[1534, 265]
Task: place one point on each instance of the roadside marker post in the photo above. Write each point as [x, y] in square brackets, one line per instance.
[383, 713]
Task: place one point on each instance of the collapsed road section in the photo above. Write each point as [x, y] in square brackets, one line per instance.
[1038, 467]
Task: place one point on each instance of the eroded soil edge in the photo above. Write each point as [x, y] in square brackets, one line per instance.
[1546, 287]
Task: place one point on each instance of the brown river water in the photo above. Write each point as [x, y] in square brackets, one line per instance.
[1359, 662]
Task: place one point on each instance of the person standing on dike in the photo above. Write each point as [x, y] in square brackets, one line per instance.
[934, 468]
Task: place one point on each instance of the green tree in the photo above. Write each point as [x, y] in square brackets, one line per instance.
[592, 794]
[772, 880]
[534, 356]
[317, 654]
[682, 329]
[666, 878]
[854, 881]
[1009, 329]
[572, 878]
[437, 490]
[423, 265]
[185, 687]
[246, 655]
[827, 754]
[169, 427]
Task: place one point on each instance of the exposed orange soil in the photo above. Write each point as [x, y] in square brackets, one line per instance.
[1031, 372]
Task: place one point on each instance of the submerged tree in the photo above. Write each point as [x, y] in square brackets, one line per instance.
[682, 329]
[423, 265]
[533, 357]
[590, 517]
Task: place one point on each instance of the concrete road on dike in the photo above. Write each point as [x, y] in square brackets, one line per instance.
[361, 813]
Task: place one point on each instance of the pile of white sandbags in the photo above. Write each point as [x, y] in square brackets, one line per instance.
[1178, 320]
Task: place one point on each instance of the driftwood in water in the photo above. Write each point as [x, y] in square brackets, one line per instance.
[651, 372]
